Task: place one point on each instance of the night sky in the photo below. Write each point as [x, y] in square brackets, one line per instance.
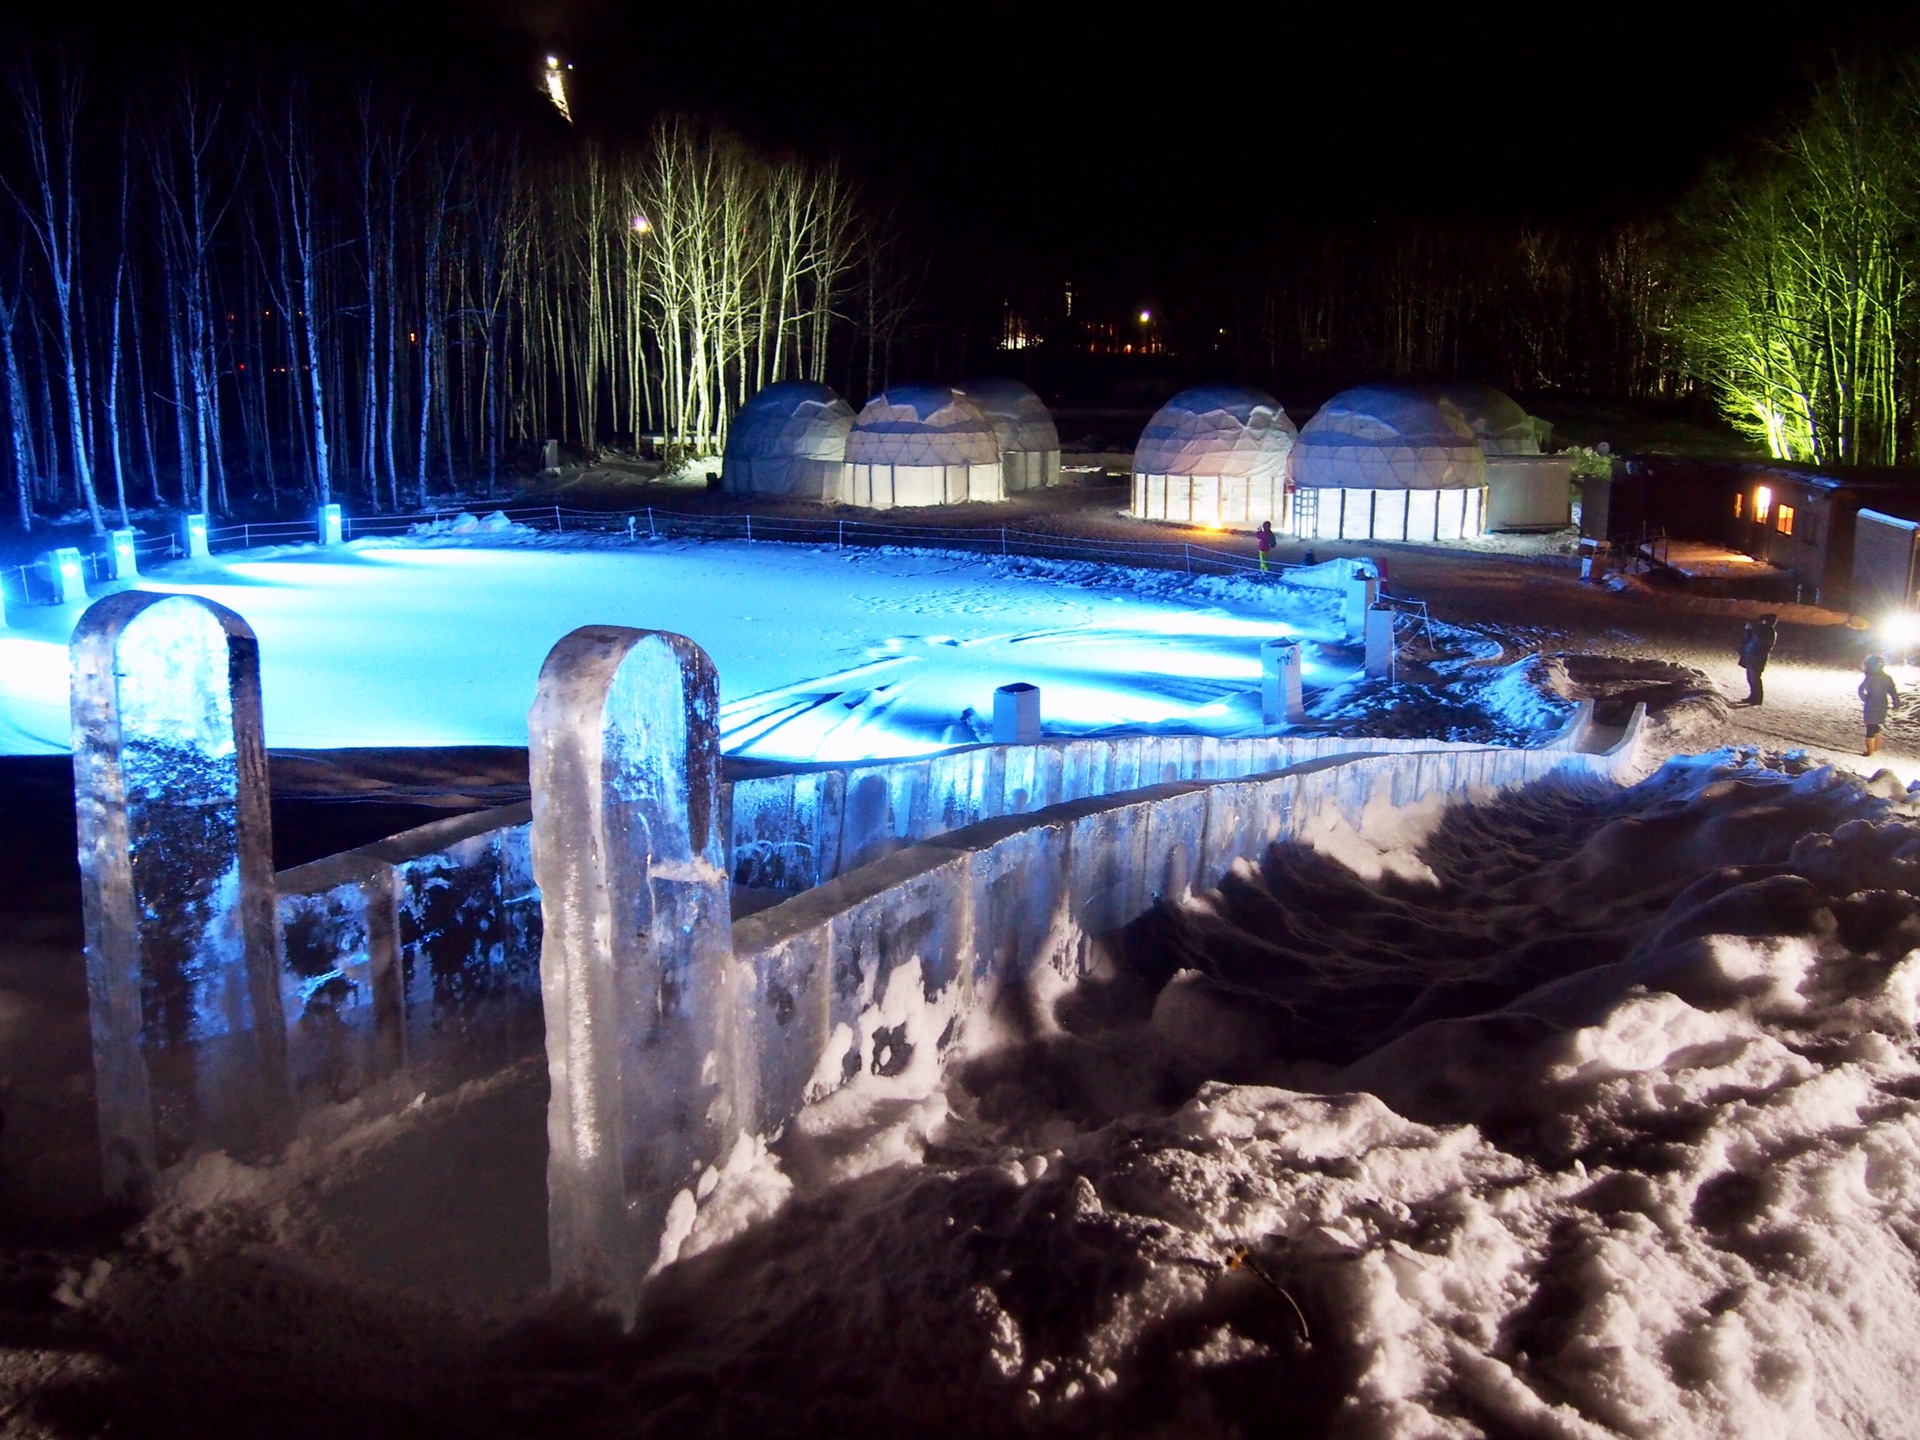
[1085, 139]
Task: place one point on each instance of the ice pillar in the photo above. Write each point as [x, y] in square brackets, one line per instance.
[636, 957]
[1380, 642]
[177, 891]
[1362, 590]
[1281, 699]
[1016, 714]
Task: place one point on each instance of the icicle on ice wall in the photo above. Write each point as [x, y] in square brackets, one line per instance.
[636, 956]
[176, 867]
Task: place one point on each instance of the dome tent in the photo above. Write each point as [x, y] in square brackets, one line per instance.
[1496, 419]
[1214, 455]
[790, 439]
[1526, 490]
[1389, 462]
[1029, 443]
[921, 445]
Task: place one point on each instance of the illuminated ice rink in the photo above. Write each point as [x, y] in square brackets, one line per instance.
[824, 654]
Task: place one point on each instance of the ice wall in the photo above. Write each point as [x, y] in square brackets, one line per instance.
[170, 786]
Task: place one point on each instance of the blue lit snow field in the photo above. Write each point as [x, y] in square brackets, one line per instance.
[823, 654]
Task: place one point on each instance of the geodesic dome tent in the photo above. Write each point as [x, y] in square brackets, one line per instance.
[1214, 455]
[1496, 419]
[1029, 443]
[1525, 489]
[1389, 462]
[921, 445]
[790, 439]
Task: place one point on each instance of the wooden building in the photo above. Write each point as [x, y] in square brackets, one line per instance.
[1799, 521]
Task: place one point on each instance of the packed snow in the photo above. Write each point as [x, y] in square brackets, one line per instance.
[823, 653]
[1576, 1113]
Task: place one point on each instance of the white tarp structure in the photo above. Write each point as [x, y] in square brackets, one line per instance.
[922, 445]
[1389, 462]
[1029, 443]
[790, 439]
[1214, 455]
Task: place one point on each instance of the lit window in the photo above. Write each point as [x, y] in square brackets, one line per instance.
[1784, 520]
[1762, 503]
[1739, 505]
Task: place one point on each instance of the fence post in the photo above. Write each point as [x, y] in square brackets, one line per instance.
[650, 532]
[843, 534]
[1003, 539]
[629, 527]
[1187, 550]
[636, 955]
[557, 525]
[749, 529]
[177, 890]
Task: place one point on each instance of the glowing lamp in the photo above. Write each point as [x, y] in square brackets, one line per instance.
[641, 225]
[122, 564]
[69, 575]
[1901, 629]
[1146, 316]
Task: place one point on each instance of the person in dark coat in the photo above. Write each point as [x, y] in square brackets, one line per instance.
[1264, 538]
[1877, 696]
[1756, 644]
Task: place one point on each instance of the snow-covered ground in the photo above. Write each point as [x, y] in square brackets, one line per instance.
[1581, 1113]
[823, 654]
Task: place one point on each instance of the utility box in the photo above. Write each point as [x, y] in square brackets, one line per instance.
[69, 571]
[195, 527]
[122, 563]
[1362, 590]
[1281, 699]
[330, 524]
[1380, 642]
[550, 455]
[1016, 714]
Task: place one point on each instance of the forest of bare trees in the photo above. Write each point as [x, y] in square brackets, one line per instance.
[230, 288]
[215, 293]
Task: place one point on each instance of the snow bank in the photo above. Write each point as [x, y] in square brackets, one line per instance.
[1609, 1124]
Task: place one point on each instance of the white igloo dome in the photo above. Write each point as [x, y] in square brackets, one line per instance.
[1214, 455]
[922, 445]
[790, 439]
[1389, 462]
[1029, 442]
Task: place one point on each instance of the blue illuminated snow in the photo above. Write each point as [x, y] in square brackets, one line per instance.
[823, 654]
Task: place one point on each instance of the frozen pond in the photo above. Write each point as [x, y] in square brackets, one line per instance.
[824, 654]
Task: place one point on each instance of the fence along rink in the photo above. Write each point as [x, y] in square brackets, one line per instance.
[412, 960]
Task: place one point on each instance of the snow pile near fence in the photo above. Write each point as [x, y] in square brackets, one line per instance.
[1608, 1124]
[465, 526]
